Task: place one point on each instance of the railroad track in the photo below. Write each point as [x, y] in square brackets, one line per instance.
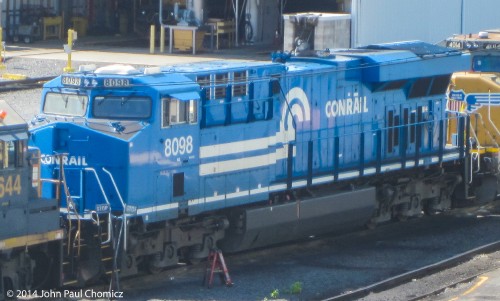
[21, 84]
[270, 264]
[421, 272]
[248, 268]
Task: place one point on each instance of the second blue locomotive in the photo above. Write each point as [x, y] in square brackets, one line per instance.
[163, 164]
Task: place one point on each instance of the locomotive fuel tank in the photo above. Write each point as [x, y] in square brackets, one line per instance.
[306, 217]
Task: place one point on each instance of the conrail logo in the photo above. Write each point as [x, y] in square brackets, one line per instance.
[70, 161]
[346, 107]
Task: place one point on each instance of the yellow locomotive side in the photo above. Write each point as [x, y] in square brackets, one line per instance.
[478, 95]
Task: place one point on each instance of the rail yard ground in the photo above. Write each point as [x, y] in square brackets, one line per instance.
[312, 270]
[331, 266]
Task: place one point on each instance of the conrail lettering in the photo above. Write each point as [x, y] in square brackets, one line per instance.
[345, 107]
[71, 160]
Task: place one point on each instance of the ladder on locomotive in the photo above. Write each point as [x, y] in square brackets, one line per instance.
[75, 244]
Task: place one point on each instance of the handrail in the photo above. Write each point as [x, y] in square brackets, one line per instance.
[489, 113]
[107, 202]
[123, 205]
[486, 131]
[116, 187]
[478, 143]
[474, 156]
[51, 181]
[70, 206]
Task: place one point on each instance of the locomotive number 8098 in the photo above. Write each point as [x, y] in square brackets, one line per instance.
[239, 155]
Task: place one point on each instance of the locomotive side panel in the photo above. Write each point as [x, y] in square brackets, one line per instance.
[177, 158]
[238, 139]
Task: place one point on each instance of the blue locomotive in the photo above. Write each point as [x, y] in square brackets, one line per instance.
[163, 164]
[30, 233]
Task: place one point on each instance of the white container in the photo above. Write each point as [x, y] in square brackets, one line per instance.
[331, 30]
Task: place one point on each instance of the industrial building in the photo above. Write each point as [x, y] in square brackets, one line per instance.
[339, 23]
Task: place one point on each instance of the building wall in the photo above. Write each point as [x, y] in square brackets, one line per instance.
[264, 19]
[379, 21]
[481, 15]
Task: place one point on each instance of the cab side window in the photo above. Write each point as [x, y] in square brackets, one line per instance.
[11, 154]
[176, 111]
[4, 155]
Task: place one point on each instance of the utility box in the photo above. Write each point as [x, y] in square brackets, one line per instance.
[80, 25]
[316, 31]
[183, 39]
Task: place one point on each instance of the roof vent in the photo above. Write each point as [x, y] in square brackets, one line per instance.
[152, 70]
[87, 68]
[117, 69]
[483, 35]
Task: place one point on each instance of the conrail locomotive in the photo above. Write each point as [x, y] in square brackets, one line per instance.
[159, 165]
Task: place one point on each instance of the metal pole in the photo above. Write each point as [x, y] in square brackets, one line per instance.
[355, 17]
[152, 39]
[2, 47]
[462, 21]
[236, 20]
[1, 13]
[162, 39]
[282, 22]
[68, 48]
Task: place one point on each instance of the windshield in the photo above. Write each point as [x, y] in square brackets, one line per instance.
[121, 107]
[65, 104]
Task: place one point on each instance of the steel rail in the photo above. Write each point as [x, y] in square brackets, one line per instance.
[23, 84]
[442, 289]
[417, 273]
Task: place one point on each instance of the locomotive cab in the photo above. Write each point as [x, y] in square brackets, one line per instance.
[128, 156]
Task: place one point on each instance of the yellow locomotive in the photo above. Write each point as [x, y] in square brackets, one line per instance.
[476, 93]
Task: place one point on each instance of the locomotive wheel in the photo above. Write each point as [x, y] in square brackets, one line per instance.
[487, 192]
[153, 264]
[154, 270]
[459, 198]
[401, 218]
[371, 225]
[42, 270]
